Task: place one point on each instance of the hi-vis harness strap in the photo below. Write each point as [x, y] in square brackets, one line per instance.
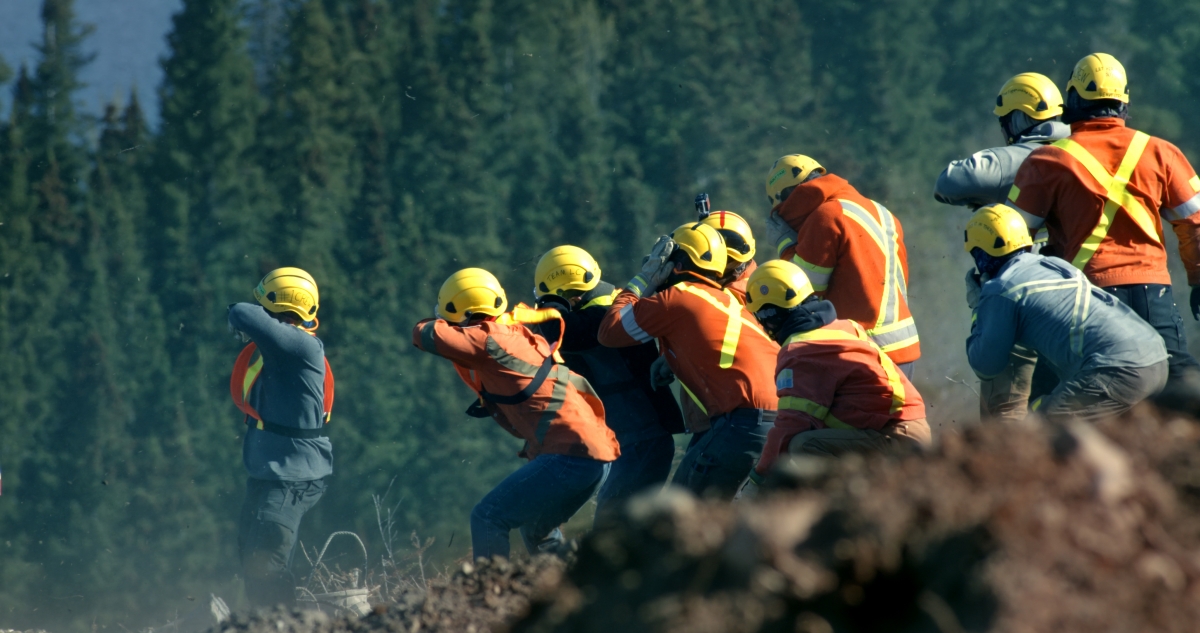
[1116, 192]
[890, 332]
[829, 334]
[1079, 286]
[246, 370]
[734, 313]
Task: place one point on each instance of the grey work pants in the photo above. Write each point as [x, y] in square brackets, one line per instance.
[1006, 397]
[1100, 393]
[838, 442]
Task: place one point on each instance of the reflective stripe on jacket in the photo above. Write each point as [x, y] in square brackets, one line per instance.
[836, 377]
[714, 345]
[246, 370]
[562, 416]
[1103, 194]
[852, 249]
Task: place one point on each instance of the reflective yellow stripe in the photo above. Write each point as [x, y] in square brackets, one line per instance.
[603, 300]
[1195, 183]
[1116, 192]
[733, 327]
[886, 236]
[1014, 193]
[693, 397]
[251, 375]
[804, 405]
[818, 276]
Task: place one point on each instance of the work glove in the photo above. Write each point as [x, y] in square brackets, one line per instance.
[238, 334]
[553, 301]
[779, 234]
[1195, 301]
[660, 373]
[656, 268]
[974, 288]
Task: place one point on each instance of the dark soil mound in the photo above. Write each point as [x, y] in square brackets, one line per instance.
[1002, 528]
[478, 597]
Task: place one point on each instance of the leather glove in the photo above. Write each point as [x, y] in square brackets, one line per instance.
[656, 268]
[660, 373]
[1194, 299]
[974, 288]
[779, 234]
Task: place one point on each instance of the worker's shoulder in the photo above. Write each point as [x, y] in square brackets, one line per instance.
[1026, 268]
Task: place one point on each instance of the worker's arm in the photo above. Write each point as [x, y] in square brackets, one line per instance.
[806, 389]
[269, 334]
[1035, 187]
[632, 321]
[974, 181]
[1181, 207]
[817, 249]
[461, 345]
[993, 334]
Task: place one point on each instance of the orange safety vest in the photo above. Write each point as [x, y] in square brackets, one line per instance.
[246, 369]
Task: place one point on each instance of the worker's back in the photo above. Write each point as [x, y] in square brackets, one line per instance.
[715, 347]
[1047, 305]
[852, 250]
[561, 414]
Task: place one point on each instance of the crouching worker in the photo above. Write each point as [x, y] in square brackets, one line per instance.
[712, 344]
[1106, 356]
[568, 278]
[838, 391]
[283, 384]
[521, 386]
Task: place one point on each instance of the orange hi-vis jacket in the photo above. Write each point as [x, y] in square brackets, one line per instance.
[1103, 193]
[836, 377]
[550, 407]
[715, 346]
[852, 250]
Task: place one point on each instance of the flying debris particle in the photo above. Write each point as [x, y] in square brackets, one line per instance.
[409, 96]
[130, 149]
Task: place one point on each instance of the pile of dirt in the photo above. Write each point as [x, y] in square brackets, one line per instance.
[477, 597]
[1001, 528]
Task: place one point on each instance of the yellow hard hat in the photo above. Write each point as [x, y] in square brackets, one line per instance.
[1100, 76]
[289, 290]
[997, 229]
[1031, 93]
[789, 171]
[563, 269]
[703, 245]
[468, 292]
[739, 241]
[778, 283]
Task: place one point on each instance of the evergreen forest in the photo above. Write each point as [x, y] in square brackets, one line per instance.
[384, 144]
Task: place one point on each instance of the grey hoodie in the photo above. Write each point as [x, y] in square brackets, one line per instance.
[986, 176]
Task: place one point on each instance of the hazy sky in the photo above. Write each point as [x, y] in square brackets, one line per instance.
[130, 37]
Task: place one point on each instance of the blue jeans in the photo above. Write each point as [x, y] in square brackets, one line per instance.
[537, 498]
[719, 460]
[267, 530]
[641, 465]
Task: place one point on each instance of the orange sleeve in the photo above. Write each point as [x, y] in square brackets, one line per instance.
[903, 249]
[461, 345]
[821, 240]
[632, 321]
[1182, 186]
[1189, 250]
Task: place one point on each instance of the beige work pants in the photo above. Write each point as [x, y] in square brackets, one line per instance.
[838, 442]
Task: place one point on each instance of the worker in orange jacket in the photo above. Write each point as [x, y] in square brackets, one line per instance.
[838, 391]
[711, 343]
[522, 386]
[1103, 193]
[851, 248]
